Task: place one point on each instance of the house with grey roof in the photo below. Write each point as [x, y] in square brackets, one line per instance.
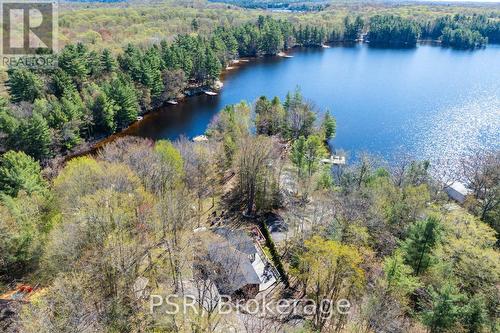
[231, 260]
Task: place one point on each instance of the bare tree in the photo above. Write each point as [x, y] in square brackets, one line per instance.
[255, 155]
[481, 173]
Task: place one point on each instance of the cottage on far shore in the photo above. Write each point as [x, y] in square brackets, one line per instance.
[458, 192]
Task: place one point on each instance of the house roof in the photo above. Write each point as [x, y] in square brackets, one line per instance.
[236, 269]
[238, 239]
[460, 188]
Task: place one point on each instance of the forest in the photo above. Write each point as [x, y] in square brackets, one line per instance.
[382, 235]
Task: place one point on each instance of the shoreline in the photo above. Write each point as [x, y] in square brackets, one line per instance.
[92, 146]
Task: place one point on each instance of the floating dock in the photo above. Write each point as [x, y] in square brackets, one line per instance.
[334, 159]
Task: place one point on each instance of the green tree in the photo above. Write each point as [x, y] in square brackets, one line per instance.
[171, 162]
[21, 235]
[212, 65]
[298, 155]
[103, 111]
[445, 310]
[329, 126]
[475, 316]
[24, 85]
[314, 151]
[108, 62]
[398, 275]
[33, 136]
[123, 93]
[328, 271]
[20, 172]
[423, 236]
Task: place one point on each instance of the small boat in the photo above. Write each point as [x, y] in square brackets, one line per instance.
[140, 118]
[229, 67]
[325, 46]
[200, 138]
[172, 102]
[210, 93]
[284, 55]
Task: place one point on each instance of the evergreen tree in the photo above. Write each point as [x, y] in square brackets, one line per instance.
[32, 136]
[212, 65]
[445, 311]
[24, 85]
[123, 94]
[329, 126]
[422, 238]
[74, 60]
[20, 172]
[103, 111]
[108, 62]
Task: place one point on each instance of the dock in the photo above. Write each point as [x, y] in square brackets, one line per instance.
[334, 159]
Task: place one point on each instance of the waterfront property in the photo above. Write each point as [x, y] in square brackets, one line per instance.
[232, 260]
[458, 192]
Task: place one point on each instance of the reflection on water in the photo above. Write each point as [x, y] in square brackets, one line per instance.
[431, 102]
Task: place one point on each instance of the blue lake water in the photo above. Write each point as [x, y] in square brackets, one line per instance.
[429, 101]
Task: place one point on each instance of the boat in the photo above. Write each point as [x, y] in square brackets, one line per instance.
[172, 102]
[229, 67]
[140, 118]
[210, 93]
[284, 55]
[200, 138]
[325, 46]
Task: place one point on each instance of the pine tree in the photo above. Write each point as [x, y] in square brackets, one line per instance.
[32, 136]
[103, 112]
[74, 61]
[422, 238]
[20, 172]
[123, 94]
[329, 126]
[445, 310]
[108, 62]
[23, 85]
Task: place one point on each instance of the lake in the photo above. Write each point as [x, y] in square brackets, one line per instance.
[429, 101]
